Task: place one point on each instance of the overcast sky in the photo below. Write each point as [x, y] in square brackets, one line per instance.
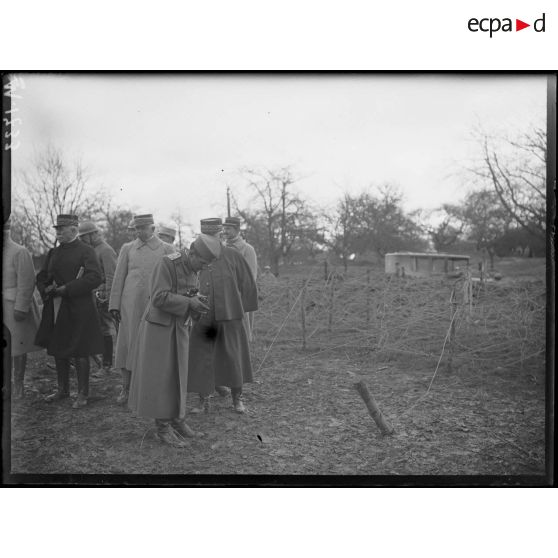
[159, 143]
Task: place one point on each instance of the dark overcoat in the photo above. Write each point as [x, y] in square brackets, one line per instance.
[76, 331]
[160, 352]
[219, 349]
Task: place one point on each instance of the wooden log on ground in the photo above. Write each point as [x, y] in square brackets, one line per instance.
[384, 426]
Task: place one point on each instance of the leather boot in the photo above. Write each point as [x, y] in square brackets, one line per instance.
[167, 435]
[82, 370]
[20, 363]
[107, 352]
[122, 398]
[238, 405]
[63, 378]
[183, 430]
[204, 405]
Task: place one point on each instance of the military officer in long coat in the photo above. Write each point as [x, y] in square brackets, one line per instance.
[231, 234]
[70, 326]
[130, 291]
[160, 363]
[21, 312]
[219, 351]
[91, 235]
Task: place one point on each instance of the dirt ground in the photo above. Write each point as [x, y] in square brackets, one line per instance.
[304, 417]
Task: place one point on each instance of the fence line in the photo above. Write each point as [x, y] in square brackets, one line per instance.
[406, 316]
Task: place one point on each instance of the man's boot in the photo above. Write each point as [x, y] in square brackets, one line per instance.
[237, 400]
[122, 398]
[166, 434]
[82, 370]
[20, 363]
[107, 353]
[204, 405]
[183, 430]
[63, 378]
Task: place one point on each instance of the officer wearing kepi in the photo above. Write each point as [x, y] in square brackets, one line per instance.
[130, 292]
[91, 235]
[166, 234]
[70, 326]
[231, 234]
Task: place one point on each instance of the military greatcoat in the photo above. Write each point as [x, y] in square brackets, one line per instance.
[75, 331]
[107, 260]
[219, 350]
[160, 361]
[130, 291]
[249, 254]
[18, 284]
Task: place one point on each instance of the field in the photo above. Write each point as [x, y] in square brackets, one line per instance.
[457, 368]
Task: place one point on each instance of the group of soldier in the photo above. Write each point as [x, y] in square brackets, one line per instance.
[182, 319]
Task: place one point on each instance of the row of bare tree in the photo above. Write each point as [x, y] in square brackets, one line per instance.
[504, 210]
[56, 185]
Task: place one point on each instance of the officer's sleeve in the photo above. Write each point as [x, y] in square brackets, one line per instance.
[246, 285]
[119, 278]
[25, 273]
[252, 261]
[162, 287]
[91, 277]
[42, 277]
[109, 266]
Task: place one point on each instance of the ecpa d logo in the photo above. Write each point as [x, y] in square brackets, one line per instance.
[492, 25]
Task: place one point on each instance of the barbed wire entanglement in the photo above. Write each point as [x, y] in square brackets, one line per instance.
[413, 319]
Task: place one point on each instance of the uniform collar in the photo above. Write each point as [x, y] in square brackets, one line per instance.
[70, 244]
[238, 241]
[153, 243]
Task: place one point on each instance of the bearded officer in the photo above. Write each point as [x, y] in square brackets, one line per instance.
[130, 292]
[91, 235]
[70, 326]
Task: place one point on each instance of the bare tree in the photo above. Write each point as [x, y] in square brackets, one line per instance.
[344, 228]
[184, 230]
[114, 221]
[486, 221]
[516, 170]
[449, 228]
[51, 187]
[277, 212]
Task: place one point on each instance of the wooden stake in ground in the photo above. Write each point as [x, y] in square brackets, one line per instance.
[331, 300]
[367, 297]
[374, 410]
[303, 314]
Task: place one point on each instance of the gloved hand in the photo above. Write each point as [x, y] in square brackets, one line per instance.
[196, 305]
[19, 316]
[115, 314]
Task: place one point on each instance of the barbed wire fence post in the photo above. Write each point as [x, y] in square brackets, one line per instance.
[303, 313]
[367, 297]
[331, 302]
[454, 305]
